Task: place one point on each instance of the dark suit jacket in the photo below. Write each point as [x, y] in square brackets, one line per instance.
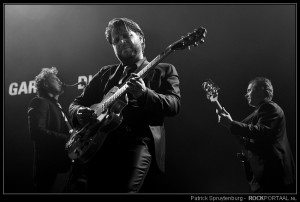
[268, 150]
[49, 133]
[161, 99]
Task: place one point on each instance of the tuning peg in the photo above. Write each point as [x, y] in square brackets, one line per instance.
[189, 47]
[196, 44]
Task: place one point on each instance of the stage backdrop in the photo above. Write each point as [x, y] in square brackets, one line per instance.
[243, 41]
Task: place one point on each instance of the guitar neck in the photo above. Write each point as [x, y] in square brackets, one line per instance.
[191, 39]
[143, 72]
[218, 105]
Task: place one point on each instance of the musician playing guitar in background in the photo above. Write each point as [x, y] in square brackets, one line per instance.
[268, 159]
[133, 146]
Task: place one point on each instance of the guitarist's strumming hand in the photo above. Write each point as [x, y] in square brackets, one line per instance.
[224, 118]
[136, 85]
[85, 115]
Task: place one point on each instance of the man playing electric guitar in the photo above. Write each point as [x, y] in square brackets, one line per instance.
[136, 141]
[263, 134]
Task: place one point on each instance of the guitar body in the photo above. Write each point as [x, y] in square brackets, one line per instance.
[91, 137]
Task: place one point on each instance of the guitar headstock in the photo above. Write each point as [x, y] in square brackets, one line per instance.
[211, 90]
[191, 39]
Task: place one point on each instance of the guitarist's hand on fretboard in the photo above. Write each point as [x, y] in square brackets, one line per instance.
[224, 117]
[136, 86]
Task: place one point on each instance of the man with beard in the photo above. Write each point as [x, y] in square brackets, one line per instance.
[137, 145]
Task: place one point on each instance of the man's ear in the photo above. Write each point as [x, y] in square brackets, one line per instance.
[142, 39]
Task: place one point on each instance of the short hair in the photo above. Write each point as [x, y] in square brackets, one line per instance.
[266, 86]
[129, 25]
[42, 78]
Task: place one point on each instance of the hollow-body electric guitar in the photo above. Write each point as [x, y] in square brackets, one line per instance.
[86, 141]
[211, 90]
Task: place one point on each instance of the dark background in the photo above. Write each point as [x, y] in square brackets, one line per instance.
[243, 41]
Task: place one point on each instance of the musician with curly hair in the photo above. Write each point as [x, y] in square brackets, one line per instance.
[49, 131]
